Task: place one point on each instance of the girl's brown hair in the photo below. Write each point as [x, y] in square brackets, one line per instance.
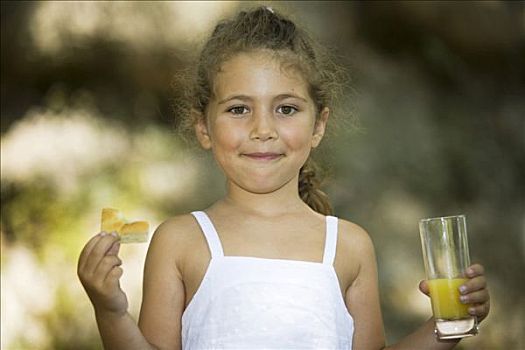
[263, 28]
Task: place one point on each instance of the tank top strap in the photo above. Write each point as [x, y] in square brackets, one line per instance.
[214, 243]
[331, 240]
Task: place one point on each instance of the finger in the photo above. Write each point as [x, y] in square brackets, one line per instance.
[423, 287]
[474, 284]
[114, 249]
[87, 250]
[478, 297]
[107, 263]
[98, 252]
[112, 279]
[479, 310]
[475, 270]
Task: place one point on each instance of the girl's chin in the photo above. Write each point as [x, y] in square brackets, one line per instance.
[263, 187]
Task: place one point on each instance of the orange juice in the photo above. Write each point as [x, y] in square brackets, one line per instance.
[445, 298]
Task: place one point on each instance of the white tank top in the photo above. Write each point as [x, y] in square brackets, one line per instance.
[259, 303]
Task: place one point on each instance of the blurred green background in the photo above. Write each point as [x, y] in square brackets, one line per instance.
[86, 122]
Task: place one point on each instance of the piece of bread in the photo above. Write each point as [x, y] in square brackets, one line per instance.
[134, 232]
[112, 220]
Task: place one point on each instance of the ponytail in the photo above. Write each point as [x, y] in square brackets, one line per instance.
[309, 189]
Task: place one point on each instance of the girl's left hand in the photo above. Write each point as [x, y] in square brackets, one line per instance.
[474, 292]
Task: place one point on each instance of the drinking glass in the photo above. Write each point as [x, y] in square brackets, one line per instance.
[446, 256]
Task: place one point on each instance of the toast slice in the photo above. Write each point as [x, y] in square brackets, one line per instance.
[134, 232]
[112, 220]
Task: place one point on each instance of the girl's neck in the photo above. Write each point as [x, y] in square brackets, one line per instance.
[281, 201]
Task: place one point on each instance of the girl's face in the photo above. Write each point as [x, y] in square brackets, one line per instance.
[260, 123]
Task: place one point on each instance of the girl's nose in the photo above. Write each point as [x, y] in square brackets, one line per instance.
[263, 126]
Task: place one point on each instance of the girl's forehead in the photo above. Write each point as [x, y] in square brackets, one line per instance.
[269, 59]
[259, 70]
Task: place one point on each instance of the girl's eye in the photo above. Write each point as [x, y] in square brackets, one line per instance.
[287, 110]
[238, 110]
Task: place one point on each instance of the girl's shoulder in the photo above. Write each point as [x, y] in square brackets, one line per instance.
[354, 239]
[177, 226]
[179, 230]
[351, 230]
[174, 237]
[354, 250]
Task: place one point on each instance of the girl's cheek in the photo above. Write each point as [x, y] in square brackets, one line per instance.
[296, 140]
[226, 135]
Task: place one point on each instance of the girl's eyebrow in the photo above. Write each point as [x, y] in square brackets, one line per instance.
[248, 98]
[285, 96]
[235, 97]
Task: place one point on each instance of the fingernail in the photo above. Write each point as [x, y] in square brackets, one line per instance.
[462, 289]
[102, 234]
[470, 271]
[471, 311]
[463, 299]
[114, 234]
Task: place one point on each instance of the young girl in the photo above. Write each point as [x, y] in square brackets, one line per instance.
[266, 266]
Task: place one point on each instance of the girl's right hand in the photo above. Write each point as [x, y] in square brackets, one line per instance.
[99, 272]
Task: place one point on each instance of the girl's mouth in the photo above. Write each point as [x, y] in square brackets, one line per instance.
[264, 156]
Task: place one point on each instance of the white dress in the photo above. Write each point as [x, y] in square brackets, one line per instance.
[259, 303]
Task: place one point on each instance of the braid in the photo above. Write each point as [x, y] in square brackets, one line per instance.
[309, 189]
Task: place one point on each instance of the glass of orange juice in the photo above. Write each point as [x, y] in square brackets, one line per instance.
[446, 256]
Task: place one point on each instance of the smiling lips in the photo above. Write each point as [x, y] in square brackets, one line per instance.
[264, 156]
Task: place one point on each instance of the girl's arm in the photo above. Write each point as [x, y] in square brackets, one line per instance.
[423, 338]
[362, 300]
[163, 295]
[121, 332]
[362, 297]
[99, 271]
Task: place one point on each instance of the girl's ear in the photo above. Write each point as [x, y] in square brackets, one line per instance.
[201, 131]
[320, 127]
